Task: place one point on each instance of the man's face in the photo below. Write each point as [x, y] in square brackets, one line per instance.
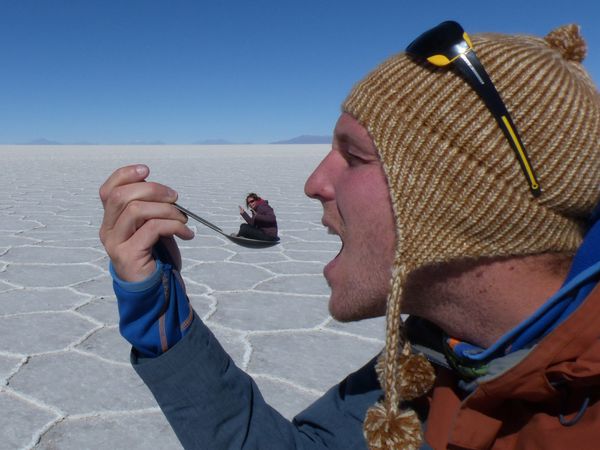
[351, 185]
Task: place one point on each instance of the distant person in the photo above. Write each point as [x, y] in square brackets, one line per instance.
[491, 245]
[261, 223]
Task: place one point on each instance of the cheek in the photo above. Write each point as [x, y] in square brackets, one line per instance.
[370, 196]
[382, 225]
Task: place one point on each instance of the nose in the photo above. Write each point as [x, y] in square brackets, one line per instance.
[320, 184]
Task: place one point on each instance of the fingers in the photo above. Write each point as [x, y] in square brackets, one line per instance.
[133, 260]
[142, 217]
[153, 229]
[137, 212]
[127, 184]
[136, 215]
[121, 196]
[129, 200]
[125, 175]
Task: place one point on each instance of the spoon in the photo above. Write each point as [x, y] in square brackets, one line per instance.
[243, 241]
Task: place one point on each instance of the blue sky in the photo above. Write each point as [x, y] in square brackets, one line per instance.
[181, 71]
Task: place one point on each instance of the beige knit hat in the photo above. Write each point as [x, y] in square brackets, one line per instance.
[456, 187]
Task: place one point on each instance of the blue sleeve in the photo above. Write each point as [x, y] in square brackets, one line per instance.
[211, 403]
[154, 314]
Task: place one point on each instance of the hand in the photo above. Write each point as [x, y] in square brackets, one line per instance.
[242, 210]
[136, 215]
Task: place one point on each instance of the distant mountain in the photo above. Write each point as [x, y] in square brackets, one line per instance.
[42, 141]
[147, 143]
[303, 139]
[306, 139]
[213, 142]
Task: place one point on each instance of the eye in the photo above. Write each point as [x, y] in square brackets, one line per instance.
[354, 161]
[353, 154]
[356, 158]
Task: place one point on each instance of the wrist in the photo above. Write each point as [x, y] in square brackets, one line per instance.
[140, 284]
[128, 273]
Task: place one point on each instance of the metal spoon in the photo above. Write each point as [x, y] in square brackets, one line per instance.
[239, 240]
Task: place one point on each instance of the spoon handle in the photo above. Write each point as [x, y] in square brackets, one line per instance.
[198, 218]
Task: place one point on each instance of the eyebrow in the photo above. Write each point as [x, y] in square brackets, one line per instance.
[347, 139]
[344, 138]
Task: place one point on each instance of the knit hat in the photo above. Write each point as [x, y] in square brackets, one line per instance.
[456, 187]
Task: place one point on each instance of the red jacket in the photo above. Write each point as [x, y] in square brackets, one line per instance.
[263, 218]
[522, 407]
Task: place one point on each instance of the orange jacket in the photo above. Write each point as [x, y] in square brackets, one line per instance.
[523, 407]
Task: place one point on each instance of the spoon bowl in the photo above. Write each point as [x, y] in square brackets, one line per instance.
[239, 240]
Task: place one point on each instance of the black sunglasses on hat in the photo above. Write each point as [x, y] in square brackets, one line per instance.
[448, 44]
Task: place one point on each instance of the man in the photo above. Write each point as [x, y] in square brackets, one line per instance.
[429, 185]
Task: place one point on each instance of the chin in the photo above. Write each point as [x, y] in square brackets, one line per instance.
[344, 318]
[340, 312]
[345, 312]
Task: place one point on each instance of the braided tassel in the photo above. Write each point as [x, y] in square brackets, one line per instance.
[403, 376]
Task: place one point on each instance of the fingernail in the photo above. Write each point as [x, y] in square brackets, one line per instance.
[172, 193]
[142, 170]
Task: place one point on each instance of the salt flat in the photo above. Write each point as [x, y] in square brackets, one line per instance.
[65, 379]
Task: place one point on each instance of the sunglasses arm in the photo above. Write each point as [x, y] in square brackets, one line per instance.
[472, 70]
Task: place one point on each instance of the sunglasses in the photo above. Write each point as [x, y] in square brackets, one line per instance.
[448, 44]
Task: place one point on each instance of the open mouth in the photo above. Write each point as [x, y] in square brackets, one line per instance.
[340, 250]
[331, 264]
[335, 233]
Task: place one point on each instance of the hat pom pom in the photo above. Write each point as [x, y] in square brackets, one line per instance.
[569, 42]
[415, 375]
[386, 429]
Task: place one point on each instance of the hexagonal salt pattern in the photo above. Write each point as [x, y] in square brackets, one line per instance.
[65, 378]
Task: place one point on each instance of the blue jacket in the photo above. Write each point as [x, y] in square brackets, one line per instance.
[212, 404]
